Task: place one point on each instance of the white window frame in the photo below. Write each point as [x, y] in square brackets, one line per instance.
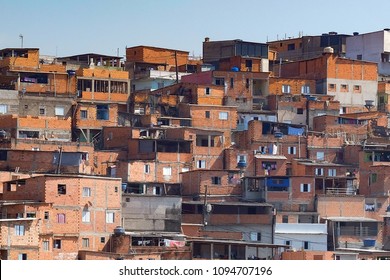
[167, 171]
[20, 230]
[59, 110]
[110, 217]
[305, 89]
[292, 150]
[223, 115]
[185, 169]
[3, 109]
[303, 185]
[207, 91]
[201, 164]
[46, 245]
[319, 171]
[286, 89]
[320, 155]
[243, 157]
[86, 192]
[85, 242]
[332, 172]
[146, 168]
[255, 236]
[86, 216]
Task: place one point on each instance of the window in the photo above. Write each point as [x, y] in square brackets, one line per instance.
[292, 150]
[373, 178]
[110, 217]
[83, 114]
[42, 111]
[201, 164]
[344, 88]
[332, 87]
[57, 244]
[19, 230]
[167, 171]
[3, 109]
[146, 169]
[207, 91]
[215, 180]
[231, 82]
[357, 89]
[46, 215]
[223, 115]
[102, 112]
[207, 114]
[61, 189]
[85, 242]
[247, 83]
[248, 64]
[22, 257]
[86, 192]
[300, 111]
[319, 172]
[385, 57]
[220, 81]
[31, 215]
[45, 245]
[241, 158]
[332, 172]
[305, 89]
[59, 111]
[185, 169]
[255, 236]
[291, 47]
[305, 187]
[86, 216]
[157, 190]
[285, 219]
[287, 242]
[269, 165]
[320, 156]
[102, 240]
[302, 208]
[359, 57]
[61, 218]
[286, 89]
[306, 245]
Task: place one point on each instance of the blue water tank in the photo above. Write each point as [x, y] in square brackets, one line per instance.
[235, 69]
[71, 72]
[369, 242]
[278, 135]
[241, 164]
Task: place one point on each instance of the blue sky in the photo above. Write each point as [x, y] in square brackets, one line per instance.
[70, 27]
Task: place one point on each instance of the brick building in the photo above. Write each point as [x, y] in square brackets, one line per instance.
[55, 216]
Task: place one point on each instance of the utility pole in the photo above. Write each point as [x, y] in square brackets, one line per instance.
[177, 72]
[21, 37]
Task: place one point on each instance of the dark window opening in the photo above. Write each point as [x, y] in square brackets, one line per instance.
[102, 112]
[61, 188]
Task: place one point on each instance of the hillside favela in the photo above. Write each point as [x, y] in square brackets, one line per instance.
[275, 150]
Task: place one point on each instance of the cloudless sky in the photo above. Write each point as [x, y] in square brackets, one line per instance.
[69, 27]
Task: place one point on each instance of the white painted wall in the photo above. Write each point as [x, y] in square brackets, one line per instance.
[297, 234]
[369, 91]
[370, 46]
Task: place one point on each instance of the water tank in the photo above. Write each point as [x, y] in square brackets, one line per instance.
[71, 72]
[235, 69]
[355, 33]
[119, 230]
[369, 242]
[278, 135]
[328, 50]
[241, 164]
